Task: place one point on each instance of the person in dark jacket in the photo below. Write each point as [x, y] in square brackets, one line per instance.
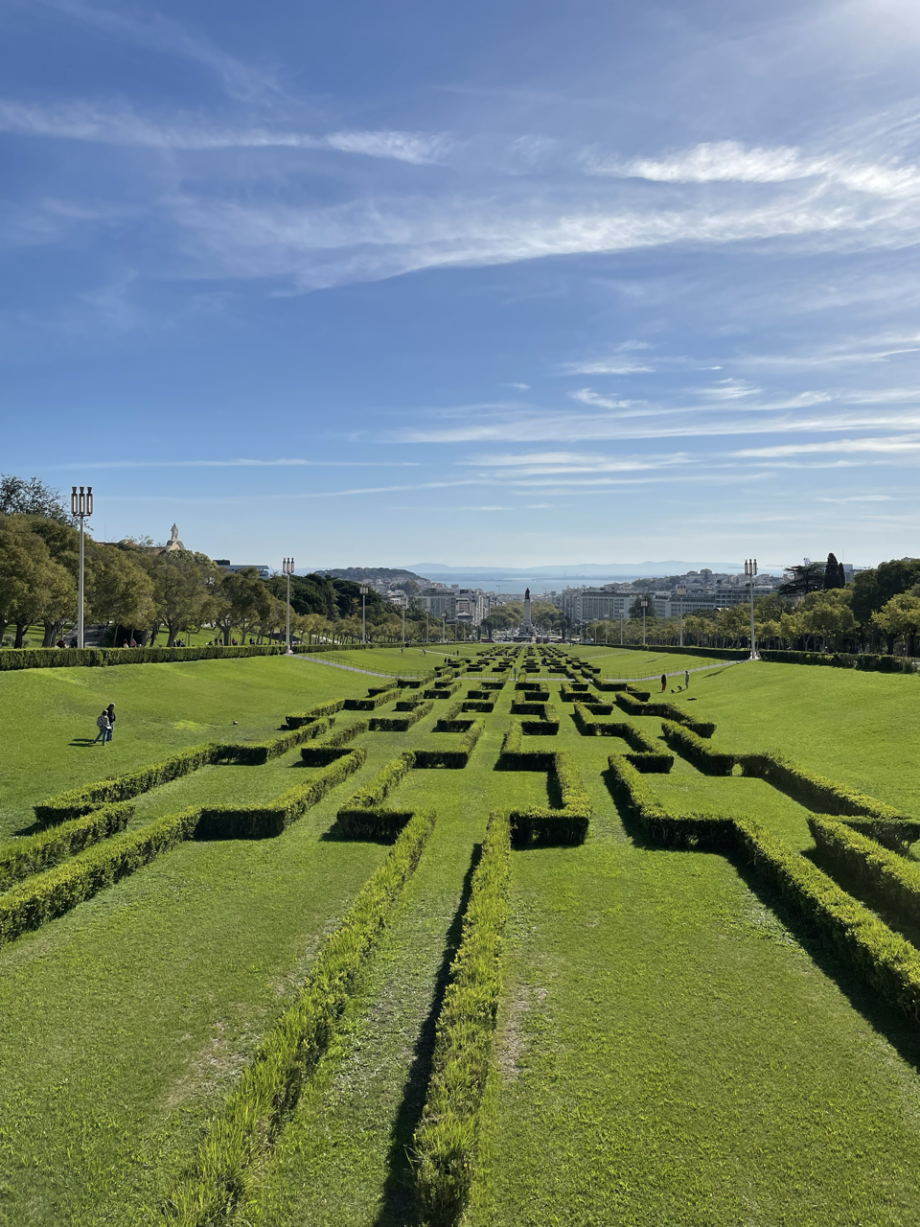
[110, 712]
[664, 682]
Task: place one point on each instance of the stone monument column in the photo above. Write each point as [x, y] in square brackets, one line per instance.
[528, 624]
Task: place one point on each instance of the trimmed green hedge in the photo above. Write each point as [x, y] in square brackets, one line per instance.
[453, 759]
[702, 828]
[697, 750]
[373, 794]
[66, 658]
[889, 964]
[446, 1141]
[36, 853]
[51, 894]
[79, 801]
[253, 754]
[401, 724]
[667, 711]
[884, 879]
[269, 821]
[894, 833]
[373, 701]
[814, 792]
[478, 705]
[296, 719]
[442, 692]
[218, 1175]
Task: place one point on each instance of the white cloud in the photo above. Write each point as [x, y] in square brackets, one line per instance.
[896, 444]
[732, 162]
[115, 125]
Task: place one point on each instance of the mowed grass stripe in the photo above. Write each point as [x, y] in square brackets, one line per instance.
[127, 1022]
[669, 1054]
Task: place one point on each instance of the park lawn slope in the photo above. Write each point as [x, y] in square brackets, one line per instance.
[47, 718]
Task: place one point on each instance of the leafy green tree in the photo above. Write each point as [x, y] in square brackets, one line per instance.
[181, 591]
[118, 588]
[900, 617]
[31, 498]
[239, 599]
[873, 589]
[833, 573]
[33, 586]
[828, 614]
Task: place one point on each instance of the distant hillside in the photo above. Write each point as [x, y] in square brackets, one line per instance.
[396, 576]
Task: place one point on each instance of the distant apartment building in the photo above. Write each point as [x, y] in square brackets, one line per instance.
[235, 567]
[469, 605]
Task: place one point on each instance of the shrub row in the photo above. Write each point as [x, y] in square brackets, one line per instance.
[253, 754]
[373, 701]
[713, 653]
[667, 711]
[79, 801]
[331, 747]
[270, 1087]
[269, 821]
[401, 724]
[869, 662]
[697, 750]
[383, 783]
[296, 719]
[36, 853]
[446, 1141]
[50, 894]
[889, 963]
[442, 692]
[478, 705]
[454, 759]
[814, 792]
[647, 755]
[894, 833]
[57, 658]
[884, 879]
[540, 825]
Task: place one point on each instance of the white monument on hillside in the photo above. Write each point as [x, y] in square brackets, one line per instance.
[528, 624]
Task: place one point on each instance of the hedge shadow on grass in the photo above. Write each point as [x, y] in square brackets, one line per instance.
[398, 1208]
[888, 1021]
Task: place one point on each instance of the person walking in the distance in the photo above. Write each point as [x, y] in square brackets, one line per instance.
[104, 727]
[686, 679]
[110, 712]
[664, 682]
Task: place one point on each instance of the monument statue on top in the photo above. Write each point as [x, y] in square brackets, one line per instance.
[174, 543]
[528, 624]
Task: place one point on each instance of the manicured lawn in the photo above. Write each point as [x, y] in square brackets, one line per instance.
[668, 1052]
[47, 717]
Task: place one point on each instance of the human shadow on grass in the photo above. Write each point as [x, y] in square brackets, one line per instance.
[398, 1208]
[83, 741]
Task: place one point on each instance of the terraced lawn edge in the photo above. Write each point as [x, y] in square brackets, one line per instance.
[36, 853]
[255, 1111]
[447, 1138]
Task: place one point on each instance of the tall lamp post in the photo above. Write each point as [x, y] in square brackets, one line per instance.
[81, 506]
[681, 592]
[289, 571]
[644, 607]
[404, 622]
[363, 619]
[750, 570]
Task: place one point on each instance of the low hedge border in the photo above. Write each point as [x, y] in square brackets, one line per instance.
[868, 662]
[882, 878]
[447, 1139]
[815, 792]
[401, 724]
[269, 1089]
[66, 658]
[54, 892]
[697, 750]
[478, 705]
[36, 853]
[452, 759]
[47, 895]
[269, 821]
[666, 711]
[894, 833]
[541, 826]
[442, 692]
[296, 719]
[890, 964]
[373, 701]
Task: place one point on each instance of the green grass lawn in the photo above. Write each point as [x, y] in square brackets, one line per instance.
[669, 1051]
[47, 717]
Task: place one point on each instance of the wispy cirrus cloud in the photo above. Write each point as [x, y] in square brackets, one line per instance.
[116, 125]
[897, 445]
[732, 162]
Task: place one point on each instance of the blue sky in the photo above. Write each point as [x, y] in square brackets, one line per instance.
[498, 283]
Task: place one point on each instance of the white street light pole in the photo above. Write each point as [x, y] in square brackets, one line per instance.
[289, 571]
[363, 618]
[404, 625]
[81, 506]
[750, 570]
[681, 592]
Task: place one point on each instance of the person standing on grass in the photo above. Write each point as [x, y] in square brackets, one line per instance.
[664, 682]
[104, 727]
[110, 712]
[686, 679]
